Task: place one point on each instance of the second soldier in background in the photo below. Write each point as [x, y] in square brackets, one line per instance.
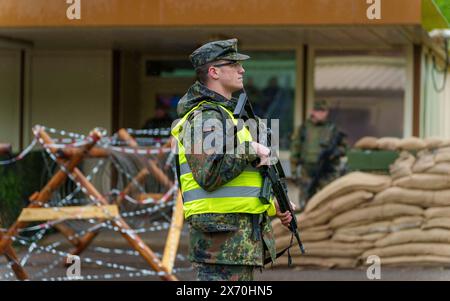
[309, 145]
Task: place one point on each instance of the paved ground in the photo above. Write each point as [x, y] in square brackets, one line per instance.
[108, 244]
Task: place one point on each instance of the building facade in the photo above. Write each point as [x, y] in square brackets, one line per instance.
[76, 65]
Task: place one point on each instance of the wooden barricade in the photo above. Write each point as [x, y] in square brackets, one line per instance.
[40, 198]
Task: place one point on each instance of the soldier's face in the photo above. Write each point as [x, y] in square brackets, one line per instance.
[230, 75]
[319, 115]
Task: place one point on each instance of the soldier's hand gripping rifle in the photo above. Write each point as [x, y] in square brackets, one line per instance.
[273, 175]
[325, 165]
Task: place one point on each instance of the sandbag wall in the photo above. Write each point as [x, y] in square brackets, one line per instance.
[403, 218]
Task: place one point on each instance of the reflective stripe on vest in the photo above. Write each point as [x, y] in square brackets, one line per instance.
[240, 195]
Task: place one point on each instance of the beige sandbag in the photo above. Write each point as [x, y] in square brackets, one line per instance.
[341, 204]
[280, 230]
[330, 244]
[410, 249]
[424, 181]
[418, 260]
[383, 227]
[442, 155]
[441, 198]
[351, 182]
[367, 143]
[440, 168]
[433, 142]
[376, 227]
[414, 236]
[443, 149]
[425, 160]
[318, 262]
[282, 242]
[331, 248]
[437, 222]
[437, 212]
[412, 143]
[391, 225]
[421, 198]
[316, 228]
[406, 222]
[316, 235]
[343, 237]
[402, 167]
[444, 143]
[388, 143]
[375, 213]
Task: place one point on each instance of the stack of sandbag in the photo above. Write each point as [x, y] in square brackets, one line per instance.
[397, 144]
[403, 218]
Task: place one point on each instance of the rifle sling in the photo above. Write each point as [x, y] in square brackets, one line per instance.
[279, 254]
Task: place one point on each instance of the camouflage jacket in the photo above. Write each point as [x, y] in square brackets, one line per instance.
[309, 140]
[221, 238]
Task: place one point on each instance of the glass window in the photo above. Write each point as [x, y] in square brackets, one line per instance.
[365, 90]
[270, 84]
[169, 68]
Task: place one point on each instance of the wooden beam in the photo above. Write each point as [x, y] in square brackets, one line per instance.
[46, 193]
[139, 178]
[123, 134]
[95, 152]
[417, 82]
[125, 230]
[68, 232]
[173, 238]
[15, 265]
[12, 258]
[72, 212]
[152, 167]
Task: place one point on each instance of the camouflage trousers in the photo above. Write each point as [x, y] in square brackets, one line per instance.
[305, 181]
[223, 272]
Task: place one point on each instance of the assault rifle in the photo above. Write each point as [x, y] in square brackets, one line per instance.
[325, 165]
[273, 175]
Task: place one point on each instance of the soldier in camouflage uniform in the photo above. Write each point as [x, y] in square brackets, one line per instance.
[307, 143]
[223, 246]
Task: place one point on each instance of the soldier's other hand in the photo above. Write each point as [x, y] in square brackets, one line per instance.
[263, 152]
[293, 206]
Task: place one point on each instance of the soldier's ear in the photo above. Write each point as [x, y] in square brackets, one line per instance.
[213, 72]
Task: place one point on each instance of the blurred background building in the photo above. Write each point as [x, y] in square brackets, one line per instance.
[122, 60]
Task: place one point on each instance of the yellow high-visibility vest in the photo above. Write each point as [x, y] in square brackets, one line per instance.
[240, 195]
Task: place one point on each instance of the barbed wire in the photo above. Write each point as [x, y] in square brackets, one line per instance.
[79, 195]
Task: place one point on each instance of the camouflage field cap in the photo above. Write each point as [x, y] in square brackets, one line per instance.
[217, 50]
[320, 104]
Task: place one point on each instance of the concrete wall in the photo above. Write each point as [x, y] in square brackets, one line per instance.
[10, 97]
[70, 90]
